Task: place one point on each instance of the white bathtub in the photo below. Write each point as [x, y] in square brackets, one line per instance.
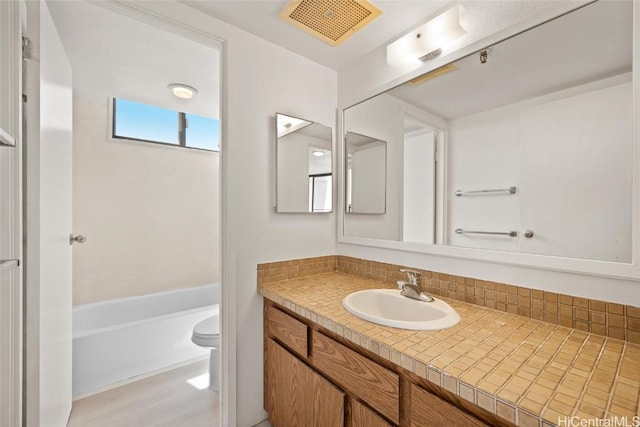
[116, 340]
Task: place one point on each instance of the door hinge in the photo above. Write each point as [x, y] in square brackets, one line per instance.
[26, 48]
[24, 98]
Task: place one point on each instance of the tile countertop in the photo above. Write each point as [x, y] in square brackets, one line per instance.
[529, 372]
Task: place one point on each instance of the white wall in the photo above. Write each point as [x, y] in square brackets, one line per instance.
[293, 173]
[371, 75]
[587, 140]
[380, 118]
[255, 233]
[482, 153]
[150, 212]
[573, 175]
[368, 179]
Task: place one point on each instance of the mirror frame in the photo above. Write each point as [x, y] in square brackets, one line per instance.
[333, 168]
[619, 270]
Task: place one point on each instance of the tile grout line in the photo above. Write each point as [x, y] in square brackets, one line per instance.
[582, 345]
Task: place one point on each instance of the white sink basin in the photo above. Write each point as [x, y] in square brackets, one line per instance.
[387, 307]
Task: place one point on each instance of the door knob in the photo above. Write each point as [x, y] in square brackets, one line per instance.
[79, 239]
[528, 233]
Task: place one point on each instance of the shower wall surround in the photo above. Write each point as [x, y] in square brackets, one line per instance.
[595, 316]
[135, 217]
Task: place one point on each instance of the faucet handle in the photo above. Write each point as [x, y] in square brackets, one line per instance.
[414, 276]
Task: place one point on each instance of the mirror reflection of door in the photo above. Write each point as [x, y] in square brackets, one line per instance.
[419, 182]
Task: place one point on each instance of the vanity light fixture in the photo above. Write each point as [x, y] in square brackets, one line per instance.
[182, 91]
[318, 153]
[427, 41]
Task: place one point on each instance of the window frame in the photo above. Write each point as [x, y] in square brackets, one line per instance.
[182, 126]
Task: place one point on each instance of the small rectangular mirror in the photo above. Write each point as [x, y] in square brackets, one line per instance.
[304, 181]
[366, 174]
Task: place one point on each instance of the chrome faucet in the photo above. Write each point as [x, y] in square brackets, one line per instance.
[412, 288]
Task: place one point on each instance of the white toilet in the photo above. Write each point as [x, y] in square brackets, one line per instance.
[207, 334]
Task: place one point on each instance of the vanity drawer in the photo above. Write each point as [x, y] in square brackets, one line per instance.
[372, 383]
[286, 329]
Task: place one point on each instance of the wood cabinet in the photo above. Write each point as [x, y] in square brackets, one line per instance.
[361, 416]
[377, 386]
[289, 331]
[428, 410]
[298, 396]
[313, 378]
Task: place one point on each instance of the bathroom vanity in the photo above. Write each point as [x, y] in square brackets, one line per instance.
[326, 367]
[316, 378]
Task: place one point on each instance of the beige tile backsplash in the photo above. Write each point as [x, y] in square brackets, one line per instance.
[594, 316]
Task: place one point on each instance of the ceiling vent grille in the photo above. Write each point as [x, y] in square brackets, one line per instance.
[332, 21]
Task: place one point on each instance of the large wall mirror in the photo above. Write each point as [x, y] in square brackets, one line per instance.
[524, 146]
[304, 181]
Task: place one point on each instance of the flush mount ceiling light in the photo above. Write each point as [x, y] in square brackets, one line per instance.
[183, 91]
[289, 124]
[427, 41]
[332, 21]
[318, 153]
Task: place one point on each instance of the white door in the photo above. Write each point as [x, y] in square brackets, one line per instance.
[10, 218]
[48, 223]
[419, 194]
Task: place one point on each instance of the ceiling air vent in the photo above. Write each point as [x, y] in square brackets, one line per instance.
[332, 21]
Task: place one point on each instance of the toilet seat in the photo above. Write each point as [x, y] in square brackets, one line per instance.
[207, 332]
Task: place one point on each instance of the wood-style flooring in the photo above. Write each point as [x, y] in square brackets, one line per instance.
[163, 400]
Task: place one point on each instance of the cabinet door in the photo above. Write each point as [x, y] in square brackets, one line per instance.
[361, 416]
[297, 396]
[428, 410]
[360, 376]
